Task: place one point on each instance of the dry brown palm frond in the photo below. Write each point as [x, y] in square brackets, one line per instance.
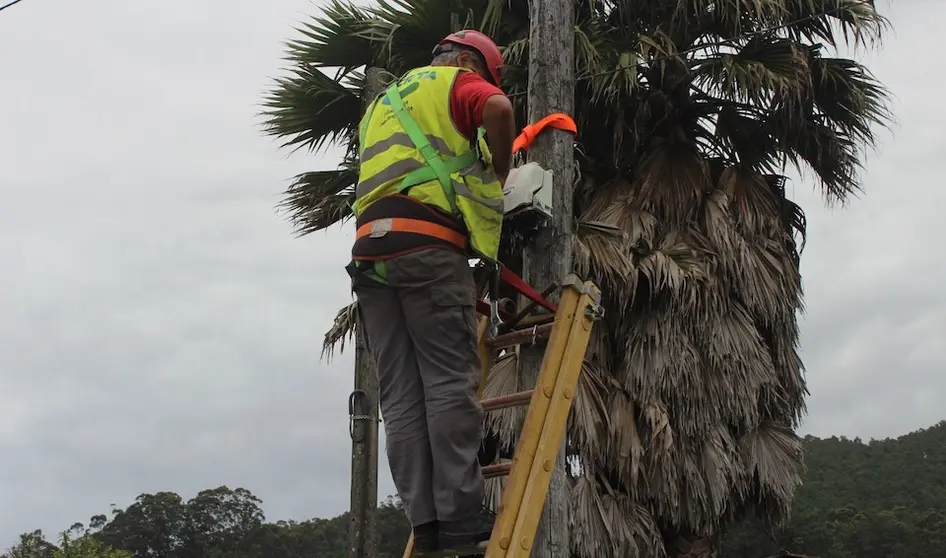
[504, 379]
[594, 535]
[641, 534]
[753, 253]
[600, 249]
[625, 450]
[694, 508]
[754, 205]
[600, 351]
[718, 223]
[673, 266]
[661, 450]
[608, 523]
[722, 468]
[588, 419]
[774, 454]
[342, 330]
[671, 180]
[738, 364]
[638, 224]
[494, 489]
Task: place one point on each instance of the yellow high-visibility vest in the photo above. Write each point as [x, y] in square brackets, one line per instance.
[408, 142]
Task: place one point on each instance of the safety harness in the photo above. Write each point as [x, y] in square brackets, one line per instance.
[437, 168]
[441, 169]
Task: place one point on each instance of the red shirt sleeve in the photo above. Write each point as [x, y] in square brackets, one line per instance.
[467, 99]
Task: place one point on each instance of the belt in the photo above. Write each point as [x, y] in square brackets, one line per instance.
[381, 227]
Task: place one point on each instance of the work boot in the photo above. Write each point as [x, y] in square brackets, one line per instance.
[425, 539]
[468, 534]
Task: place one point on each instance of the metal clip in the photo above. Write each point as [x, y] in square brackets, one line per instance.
[494, 320]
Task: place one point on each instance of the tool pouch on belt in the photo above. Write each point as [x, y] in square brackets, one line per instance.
[367, 273]
[354, 269]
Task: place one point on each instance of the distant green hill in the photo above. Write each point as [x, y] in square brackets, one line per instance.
[882, 499]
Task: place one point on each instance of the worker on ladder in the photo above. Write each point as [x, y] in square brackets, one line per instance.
[435, 150]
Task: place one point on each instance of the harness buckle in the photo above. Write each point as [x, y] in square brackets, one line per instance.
[381, 227]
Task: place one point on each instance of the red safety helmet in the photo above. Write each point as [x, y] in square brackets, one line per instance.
[484, 46]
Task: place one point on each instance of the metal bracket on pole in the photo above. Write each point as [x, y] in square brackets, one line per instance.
[357, 414]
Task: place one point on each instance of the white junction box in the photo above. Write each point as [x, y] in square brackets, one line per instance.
[528, 189]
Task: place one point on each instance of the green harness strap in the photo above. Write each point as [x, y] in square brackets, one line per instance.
[378, 272]
[437, 168]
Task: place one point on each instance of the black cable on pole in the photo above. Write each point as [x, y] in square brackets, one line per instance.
[5, 6]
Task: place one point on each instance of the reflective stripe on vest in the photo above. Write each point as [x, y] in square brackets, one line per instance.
[406, 166]
[441, 168]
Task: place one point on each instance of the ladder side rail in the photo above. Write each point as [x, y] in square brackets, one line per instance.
[553, 429]
[528, 443]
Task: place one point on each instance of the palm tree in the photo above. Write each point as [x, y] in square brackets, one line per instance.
[690, 113]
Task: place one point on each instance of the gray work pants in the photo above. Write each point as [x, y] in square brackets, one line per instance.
[421, 329]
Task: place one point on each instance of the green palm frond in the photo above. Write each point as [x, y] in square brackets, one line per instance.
[764, 67]
[317, 200]
[849, 97]
[333, 39]
[310, 109]
[815, 21]
[405, 31]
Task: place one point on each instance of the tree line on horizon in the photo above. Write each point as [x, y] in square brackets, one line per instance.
[880, 499]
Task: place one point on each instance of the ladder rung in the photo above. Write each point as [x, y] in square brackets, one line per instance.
[506, 401]
[497, 470]
[519, 336]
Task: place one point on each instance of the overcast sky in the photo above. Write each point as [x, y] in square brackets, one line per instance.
[160, 327]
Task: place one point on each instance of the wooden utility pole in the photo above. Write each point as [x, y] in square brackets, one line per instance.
[549, 260]
[363, 408]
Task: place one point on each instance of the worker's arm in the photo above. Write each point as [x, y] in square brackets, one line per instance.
[475, 103]
[499, 120]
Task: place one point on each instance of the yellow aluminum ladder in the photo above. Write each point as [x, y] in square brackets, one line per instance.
[549, 404]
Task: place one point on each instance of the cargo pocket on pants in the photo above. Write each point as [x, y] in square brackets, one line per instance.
[457, 308]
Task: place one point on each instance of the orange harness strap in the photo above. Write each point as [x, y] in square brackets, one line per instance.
[379, 227]
[558, 120]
